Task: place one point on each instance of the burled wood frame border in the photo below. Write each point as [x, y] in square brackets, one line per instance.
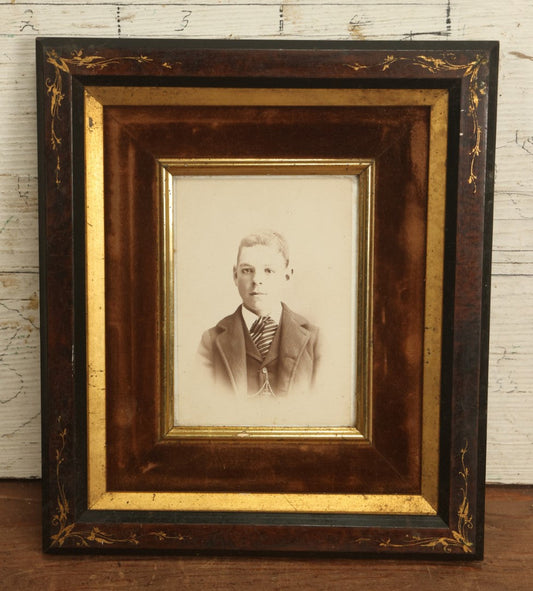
[468, 72]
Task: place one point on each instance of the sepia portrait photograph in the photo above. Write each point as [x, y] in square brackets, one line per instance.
[265, 302]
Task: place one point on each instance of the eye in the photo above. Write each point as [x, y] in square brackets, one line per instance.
[246, 270]
[268, 270]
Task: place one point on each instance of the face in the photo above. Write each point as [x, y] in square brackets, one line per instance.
[261, 276]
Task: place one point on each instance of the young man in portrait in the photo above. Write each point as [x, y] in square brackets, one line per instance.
[263, 348]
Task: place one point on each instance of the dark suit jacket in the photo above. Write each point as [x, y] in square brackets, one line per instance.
[225, 347]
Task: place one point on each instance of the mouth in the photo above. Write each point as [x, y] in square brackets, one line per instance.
[257, 293]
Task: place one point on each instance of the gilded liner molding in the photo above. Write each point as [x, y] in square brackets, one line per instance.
[436, 100]
[364, 172]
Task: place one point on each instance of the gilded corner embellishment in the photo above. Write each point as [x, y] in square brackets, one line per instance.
[460, 538]
[85, 538]
[476, 90]
[61, 518]
[54, 87]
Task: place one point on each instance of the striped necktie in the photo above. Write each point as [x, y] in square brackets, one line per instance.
[262, 332]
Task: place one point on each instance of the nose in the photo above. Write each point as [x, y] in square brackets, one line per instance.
[258, 278]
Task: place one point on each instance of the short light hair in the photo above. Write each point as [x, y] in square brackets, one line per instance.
[266, 238]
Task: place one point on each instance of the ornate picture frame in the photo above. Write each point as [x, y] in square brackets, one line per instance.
[412, 126]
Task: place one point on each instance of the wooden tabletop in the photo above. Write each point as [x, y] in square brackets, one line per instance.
[508, 563]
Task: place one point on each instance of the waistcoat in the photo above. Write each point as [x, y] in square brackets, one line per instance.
[257, 368]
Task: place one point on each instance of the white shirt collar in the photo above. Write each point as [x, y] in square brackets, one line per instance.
[250, 317]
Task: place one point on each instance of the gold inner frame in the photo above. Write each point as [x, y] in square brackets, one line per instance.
[364, 171]
[98, 495]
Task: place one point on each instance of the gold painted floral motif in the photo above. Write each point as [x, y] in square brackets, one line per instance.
[460, 538]
[67, 531]
[86, 537]
[54, 88]
[476, 90]
[163, 536]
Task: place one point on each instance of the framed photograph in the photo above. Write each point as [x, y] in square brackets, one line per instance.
[265, 295]
[212, 386]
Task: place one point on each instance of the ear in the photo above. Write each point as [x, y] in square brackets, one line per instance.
[234, 274]
[288, 274]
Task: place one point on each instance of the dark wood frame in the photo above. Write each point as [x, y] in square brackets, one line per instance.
[66, 68]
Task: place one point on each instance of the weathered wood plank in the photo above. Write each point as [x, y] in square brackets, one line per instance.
[510, 453]
[18, 223]
[19, 327]
[239, 3]
[341, 20]
[511, 382]
[19, 374]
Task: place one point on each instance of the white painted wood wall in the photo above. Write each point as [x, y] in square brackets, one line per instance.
[510, 438]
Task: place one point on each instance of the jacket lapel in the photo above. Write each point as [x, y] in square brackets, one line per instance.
[293, 339]
[231, 346]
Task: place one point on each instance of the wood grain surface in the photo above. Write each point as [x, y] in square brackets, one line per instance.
[507, 564]
[510, 437]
